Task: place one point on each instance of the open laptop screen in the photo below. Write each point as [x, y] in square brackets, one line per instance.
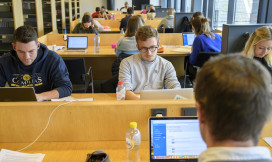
[175, 138]
[77, 42]
[188, 38]
[11, 94]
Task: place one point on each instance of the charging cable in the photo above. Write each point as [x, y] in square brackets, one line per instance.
[45, 126]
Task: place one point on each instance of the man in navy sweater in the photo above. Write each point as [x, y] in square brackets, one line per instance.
[31, 64]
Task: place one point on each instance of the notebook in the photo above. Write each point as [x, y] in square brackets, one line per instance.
[10, 94]
[77, 43]
[175, 139]
[188, 38]
[166, 94]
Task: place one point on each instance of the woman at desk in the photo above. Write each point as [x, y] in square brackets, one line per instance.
[259, 46]
[168, 21]
[151, 13]
[86, 25]
[127, 43]
[205, 40]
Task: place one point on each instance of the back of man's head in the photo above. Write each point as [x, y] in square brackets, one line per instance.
[130, 10]
[146, 32]
[234, 97]
[25, 34]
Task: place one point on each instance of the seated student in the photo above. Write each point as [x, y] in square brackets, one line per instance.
[104, 13]
[97, 13]
[151, 13]
[103, 9]
[205, 40]
[146, 70]
[168, 21]
[144, 10]
[259, 46]
[232, 95]
[127, 43]
[32, 64]
[124, 9]
[123, 24]
[86, 25]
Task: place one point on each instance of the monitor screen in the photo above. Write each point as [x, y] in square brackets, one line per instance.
[180, 25]
[234, 37]
[188, 38]
[77, 42]
[178, 138]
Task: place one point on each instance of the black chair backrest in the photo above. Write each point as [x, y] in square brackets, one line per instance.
[202, 57]
[77, 70]
[117, 62]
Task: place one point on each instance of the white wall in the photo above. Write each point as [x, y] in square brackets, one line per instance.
[90, 5]
[120, 3]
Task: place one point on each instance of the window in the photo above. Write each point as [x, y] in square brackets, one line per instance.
[246, 11]
[220, 13]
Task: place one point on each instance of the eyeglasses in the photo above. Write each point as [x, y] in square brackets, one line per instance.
[151, 49]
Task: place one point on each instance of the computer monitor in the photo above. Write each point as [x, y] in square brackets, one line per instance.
[161, 12]
[178, 27]
[234, 37]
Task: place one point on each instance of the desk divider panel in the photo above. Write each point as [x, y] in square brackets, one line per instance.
[79, 121]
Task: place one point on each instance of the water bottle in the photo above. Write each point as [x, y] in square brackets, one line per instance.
[120, 91]
[122, 31]
[96, 43]
[133, 140]
[65, 34]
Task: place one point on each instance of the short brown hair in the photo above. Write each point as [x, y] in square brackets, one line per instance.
[146, 32]
[134, 23]
[234, 94]
[25, 34]
[86, 18]
[202, 26]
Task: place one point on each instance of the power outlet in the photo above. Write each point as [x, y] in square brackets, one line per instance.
[156, 111]
[188, 111]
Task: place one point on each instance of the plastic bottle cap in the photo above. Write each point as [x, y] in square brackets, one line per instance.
[133, 124]
[96, 33]
[120, 82]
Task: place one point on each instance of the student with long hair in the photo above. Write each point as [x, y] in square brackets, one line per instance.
[259, 46]
[127, 43]
[205, 40]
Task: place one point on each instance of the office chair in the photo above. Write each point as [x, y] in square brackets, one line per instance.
[81, 80]
[117, 62]
[202, 57]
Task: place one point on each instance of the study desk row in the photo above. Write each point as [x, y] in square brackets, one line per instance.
[101, 63]
[115, 24]
[79, 128]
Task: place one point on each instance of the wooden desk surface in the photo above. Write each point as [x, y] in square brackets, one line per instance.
[108, 51]
[77, 151]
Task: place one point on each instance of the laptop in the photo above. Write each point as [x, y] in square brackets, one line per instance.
[175, 139]
[188, 38]
[11, 94]
[77, 43]
[167, 94]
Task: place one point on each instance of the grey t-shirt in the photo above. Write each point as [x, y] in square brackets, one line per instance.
[138, 74]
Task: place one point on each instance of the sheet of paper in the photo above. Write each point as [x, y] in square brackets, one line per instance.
[268, 140]
[9, 156]
[171, 46]
[187, 50]
[70, 98]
